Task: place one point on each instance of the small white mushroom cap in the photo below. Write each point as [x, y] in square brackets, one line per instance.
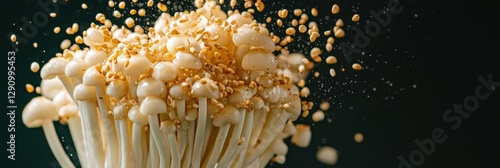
[259, 61]
[68, 111]
[302, 137]
[187, 60]
[185, 41]
[93, 77]
[248, 36]
[135, 115]
[153, 105]
[238, 19]
[76, 68]
[62, 98]
[53, 68]
[117, 88]
[205, 87]
[167, 126]
[165, 71]
[294, 106]
[240, 94]
[151, 87]
[84, 93]
[137, 65]
[178, 92]
[38, 110]
[278, 146]
[94, 57]
[228, 115]
[93, 36]
[51, 87]
[270, 94]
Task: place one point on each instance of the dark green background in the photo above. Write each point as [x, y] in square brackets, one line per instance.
[441, 48]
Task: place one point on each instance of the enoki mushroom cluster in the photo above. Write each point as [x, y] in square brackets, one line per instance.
[199, 89]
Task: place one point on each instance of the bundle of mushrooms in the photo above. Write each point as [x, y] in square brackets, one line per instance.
[199, 89]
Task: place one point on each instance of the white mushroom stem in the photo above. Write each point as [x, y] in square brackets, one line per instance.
[94, 77]
[240, 152]
[75, 128]
[120, 110]
[55, 144]
[41, 111]
[153, 152]
[219, 143]
[139, 121]
[260, 117]
[169, 128]
[95, 152]
[233, 141]
[200, 131]
[182, 133]
[190, 138]
[270, 131]
[152, 106]
[109, 129]
[69, 112]
[223, 120]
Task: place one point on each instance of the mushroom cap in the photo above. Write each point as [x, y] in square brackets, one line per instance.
[117, 88]
[68, 111]
[278, 146]
[270, 94]
[51, 87]
[137, 65]
[214, 30]
[228, 115]
[187, 60]
[240, 94]
[93, 36]
[120, 110]
[94, 57]
[151, 87]
[76, 68]
[54, 67]
[167, 126]
[257, 102]
[191, 114]
[135, 115]
[294, 106]
[246, 35]
[205, 87]
[62, 98]
[84, 92]
[239, 19]
[185, 41]
[259, 61]
[38, 110]
[165, 71]
[153, 105]
[178, 92]
[93, 77]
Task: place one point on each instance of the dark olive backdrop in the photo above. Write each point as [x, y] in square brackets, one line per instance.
[424, 60]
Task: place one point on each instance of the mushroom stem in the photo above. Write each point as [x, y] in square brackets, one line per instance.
[190, 138]
[126, 157]
[75, 128]
[67, 84]
[233, 141]
[271, 130]
[265, 157]
[200, 132]
[158, 137]
[55, 144]
[169, 128]
[137, 144]
[145, 151]
[260, 120]
[240, 152]
[219, 143]
[182, 137]
[153, 151]
[92, 133]
[109, 129]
